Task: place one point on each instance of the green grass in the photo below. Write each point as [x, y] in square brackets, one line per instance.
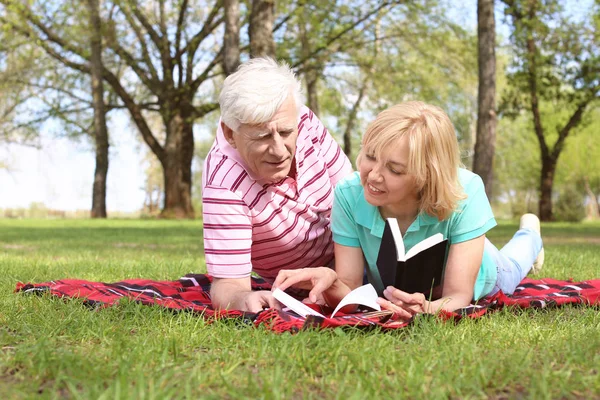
[52, 348]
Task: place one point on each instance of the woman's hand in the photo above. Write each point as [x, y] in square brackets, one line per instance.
[317, 280]
[406, 305]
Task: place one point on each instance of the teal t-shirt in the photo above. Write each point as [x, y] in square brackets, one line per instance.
[356, 223]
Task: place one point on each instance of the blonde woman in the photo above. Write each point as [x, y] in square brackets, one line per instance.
[409, 169]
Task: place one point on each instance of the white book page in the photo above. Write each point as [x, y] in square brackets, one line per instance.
[297, 306]
[365, 295]
[423, 245]
[393, 223]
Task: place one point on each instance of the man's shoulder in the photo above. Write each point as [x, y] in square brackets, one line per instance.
[309, 125]
[305, 114]
[222, 171]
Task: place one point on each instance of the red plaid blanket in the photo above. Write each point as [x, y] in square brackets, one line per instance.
[191, 293]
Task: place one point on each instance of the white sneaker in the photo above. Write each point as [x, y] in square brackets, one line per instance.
[531, 221]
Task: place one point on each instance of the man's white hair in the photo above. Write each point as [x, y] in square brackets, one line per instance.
[253, 94]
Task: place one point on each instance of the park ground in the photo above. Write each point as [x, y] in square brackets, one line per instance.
[54, 348]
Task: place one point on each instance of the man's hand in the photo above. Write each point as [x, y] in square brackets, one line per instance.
[317, 280]
[406, 305]
[237, 294]
[258, 300]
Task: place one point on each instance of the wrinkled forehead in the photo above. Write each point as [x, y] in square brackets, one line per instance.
[253, 131]
[283, 126]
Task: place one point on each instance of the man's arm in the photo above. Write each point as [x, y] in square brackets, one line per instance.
[227, 250]
[237, 294]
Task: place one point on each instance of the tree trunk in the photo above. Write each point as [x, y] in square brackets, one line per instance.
[177, 167]
[369, 72]
[546, 184]
[485, 143]
[311, 70]
[231, 39]
[352, 118]
[262, 19]
[311, 77]
[100, 130]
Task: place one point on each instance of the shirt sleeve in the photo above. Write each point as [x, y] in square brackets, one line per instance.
[475, 216]
[227, 233]
[343, 224]
[337, 163]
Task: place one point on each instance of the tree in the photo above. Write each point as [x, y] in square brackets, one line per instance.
[368, 71]
[160, 58]
[165, 70]
[516, 171]
[415, 52]
[153, 185]
[556, 68]
[330, 37]
[314, 68]
[262, 18]
[100, 130]
[35, 89]
[231, 37]
[579, 166]
[483, 158]
[17, 63]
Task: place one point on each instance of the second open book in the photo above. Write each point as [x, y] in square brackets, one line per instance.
[363, 296]
[418, 270]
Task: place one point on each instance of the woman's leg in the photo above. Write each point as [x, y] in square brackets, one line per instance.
[515, 259]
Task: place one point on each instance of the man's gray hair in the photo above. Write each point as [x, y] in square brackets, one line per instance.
[253, 94]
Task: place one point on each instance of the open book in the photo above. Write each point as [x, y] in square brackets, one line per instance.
[362, 296]
[418, 270]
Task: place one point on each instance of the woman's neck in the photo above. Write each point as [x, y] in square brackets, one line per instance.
[405, 213]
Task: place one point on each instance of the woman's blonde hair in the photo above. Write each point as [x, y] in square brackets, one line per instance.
[434, 156]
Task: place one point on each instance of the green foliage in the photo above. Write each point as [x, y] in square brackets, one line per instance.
[516, 166]
[413, 52]
[566, 57]
[39, 88]
[570, 205]
[581, 159]
[16, 61]
[554, 77]
[56, 348]
[565, 51]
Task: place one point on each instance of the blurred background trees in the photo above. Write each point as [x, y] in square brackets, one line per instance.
[521, 89]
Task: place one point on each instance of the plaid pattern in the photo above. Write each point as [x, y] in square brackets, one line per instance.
[191, 293]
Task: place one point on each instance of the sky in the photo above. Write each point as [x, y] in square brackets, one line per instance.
[61, 172]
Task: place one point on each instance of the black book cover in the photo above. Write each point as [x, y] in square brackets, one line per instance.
[419, 273]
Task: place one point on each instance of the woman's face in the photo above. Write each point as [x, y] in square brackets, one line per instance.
[386, 181]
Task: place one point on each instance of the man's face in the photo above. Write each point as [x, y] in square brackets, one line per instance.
[268, 149]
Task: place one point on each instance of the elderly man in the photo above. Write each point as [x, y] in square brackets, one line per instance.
[267, 186]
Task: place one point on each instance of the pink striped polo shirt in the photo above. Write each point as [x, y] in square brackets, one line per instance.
[251, 225]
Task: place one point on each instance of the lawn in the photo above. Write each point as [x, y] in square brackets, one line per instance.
[52, 348]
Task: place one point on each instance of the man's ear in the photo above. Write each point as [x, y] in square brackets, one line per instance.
[228, 133]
